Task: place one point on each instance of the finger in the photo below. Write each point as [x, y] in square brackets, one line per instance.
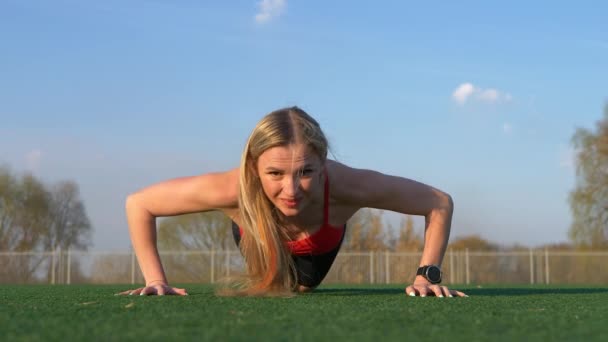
[181, 292]
[458, 293]
[136, 291]
[410, 291]
[174, 291]
[437, 291]
[147, 291]
[160, 290]
[123, 293]
[446, 292]
[423, 290]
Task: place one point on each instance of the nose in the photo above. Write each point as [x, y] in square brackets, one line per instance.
[291, 185]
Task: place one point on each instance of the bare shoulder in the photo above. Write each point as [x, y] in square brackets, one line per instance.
[350, 185]
[364, 188]
[209, 191]
[224, 186]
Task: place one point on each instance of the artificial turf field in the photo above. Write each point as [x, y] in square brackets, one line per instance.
[351, 313]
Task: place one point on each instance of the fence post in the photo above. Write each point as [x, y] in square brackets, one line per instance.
[227, 254]
[451, 267]
[60, 267]
[387, 268]
[458, 275]
[212, 268]
[53, 267]
[69, 261]
[371, 267]
[546, 266]
[466, 261]
[531, 267]
[132, 267]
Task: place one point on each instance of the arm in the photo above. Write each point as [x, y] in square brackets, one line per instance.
[213, 191]
[405, 196]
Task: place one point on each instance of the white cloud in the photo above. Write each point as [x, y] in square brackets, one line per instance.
[32, 160]
[489, 95]
[270, 9]
[462, 93]
[507, 128]
[466, 91]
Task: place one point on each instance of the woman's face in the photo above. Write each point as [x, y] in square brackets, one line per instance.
[290, 176]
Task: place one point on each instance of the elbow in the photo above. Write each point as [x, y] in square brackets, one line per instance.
[443, 206]
[133, 202]
[445, 202]
[130, 201]
[135, 208]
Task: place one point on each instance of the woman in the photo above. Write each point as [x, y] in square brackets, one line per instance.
[289, 205]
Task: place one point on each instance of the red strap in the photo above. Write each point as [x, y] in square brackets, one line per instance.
[326, 199]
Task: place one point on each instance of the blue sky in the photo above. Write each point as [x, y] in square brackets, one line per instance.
[479, 99]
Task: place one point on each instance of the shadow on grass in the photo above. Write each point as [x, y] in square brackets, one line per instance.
[532, 291]
[505, 291]
[357, 291]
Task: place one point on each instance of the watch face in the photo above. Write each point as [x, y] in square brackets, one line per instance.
[434, 274]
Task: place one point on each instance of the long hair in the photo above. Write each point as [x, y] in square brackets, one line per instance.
[270, 267]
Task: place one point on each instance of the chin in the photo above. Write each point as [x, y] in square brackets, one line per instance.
[288, 212]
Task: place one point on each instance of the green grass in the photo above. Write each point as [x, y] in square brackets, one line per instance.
[365, 313]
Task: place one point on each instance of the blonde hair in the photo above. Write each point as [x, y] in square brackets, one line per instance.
[270, 267]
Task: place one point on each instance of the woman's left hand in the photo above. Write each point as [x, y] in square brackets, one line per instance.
[422, 287]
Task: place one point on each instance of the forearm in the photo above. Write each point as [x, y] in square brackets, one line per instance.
[142, 229]
[437, 233]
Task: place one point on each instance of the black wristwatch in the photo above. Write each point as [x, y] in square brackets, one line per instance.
[432, 273]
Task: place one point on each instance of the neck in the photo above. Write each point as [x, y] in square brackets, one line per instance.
[309, 218]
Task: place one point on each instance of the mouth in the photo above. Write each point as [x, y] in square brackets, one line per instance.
[291, 203]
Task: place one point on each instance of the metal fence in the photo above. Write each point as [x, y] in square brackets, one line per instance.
[459, 267]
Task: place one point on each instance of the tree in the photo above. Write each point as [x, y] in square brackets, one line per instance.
[472, 243]
[408, 240]
[24, 205]
[206, 233]
[486, 264]
[355, 234]
[365, 231]
[210, 230]
[23, 208]
[110, 269]
[68, 225]
[589, 199]
[33, 218]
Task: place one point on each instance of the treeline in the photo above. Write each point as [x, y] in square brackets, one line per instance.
[367, 230]
[36, 217]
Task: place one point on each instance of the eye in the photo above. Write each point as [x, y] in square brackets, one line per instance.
[307, 172]
[274, 173]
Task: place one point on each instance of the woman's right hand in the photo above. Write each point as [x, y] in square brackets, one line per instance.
[156, 289]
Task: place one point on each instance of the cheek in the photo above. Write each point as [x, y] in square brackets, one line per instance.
[269, 187]
[308, 185]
